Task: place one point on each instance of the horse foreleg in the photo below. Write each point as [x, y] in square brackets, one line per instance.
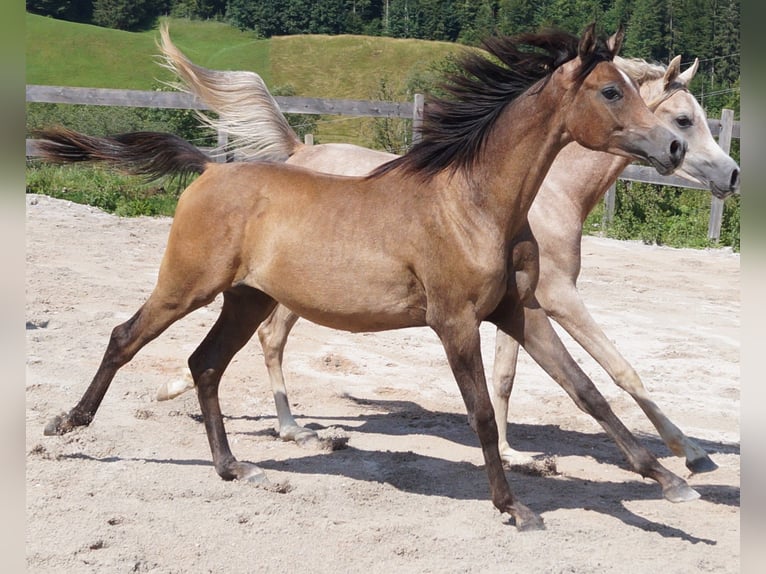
[243, 310]
[503, 375]
[532, 328]
[273, 334]
[563, 303]
[462, 344]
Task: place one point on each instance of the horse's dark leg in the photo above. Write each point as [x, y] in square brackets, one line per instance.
[243, 310]
[126, 340]
[531, 327]
[273, 334]
[462, 345]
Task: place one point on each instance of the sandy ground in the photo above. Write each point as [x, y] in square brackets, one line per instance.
[136, 491]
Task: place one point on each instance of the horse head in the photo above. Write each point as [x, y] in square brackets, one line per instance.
[705, 161]
[607, 113]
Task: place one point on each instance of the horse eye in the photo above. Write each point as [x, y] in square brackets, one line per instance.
[611, 93]
[683, 122]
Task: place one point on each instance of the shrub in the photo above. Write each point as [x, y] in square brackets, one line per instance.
[665, 215]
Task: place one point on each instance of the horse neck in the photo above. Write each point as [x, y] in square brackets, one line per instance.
[521, 149]
[578, 179]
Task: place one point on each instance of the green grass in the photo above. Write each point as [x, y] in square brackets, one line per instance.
[351, 67]
[63, 53]
[107, 190]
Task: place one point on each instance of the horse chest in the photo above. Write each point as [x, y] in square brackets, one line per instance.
[480, 280]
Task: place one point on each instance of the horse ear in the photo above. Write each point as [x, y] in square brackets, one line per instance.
[587, 41]
[671, 74]
[614, 43]
[688, 74]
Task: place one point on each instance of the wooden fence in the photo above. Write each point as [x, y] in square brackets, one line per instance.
[724, 128]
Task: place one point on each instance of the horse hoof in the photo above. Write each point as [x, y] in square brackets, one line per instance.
[258, 478]
[530, 524]
[251, 473]
[517, 459]
[302, 436]
[307, 438]
[680, 493]
[702, 464]
[171, 390]
[58, 425]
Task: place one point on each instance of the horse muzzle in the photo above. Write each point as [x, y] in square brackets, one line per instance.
[670, 159]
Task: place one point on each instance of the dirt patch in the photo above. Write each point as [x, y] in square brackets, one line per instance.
[405, 490]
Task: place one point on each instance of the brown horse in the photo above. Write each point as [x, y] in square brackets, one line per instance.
[430, 239]
[577, 179]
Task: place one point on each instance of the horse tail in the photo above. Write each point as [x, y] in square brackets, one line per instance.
[150, 154]
[245, 108]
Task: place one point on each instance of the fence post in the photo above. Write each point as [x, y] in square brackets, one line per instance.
[609, 199]
[417, 117]
[716, 204]
[223, 140]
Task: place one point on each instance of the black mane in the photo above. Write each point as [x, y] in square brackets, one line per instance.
[456, 127]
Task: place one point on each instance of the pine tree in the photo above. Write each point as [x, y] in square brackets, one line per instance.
[726, 41]
[120, 14]
[645, 34]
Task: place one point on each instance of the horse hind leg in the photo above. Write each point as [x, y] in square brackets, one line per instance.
[273, 334]
[503, 376]
[155, 315]
[243, 310]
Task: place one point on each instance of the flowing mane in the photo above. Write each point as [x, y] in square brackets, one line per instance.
[640, 70]
[456, 127]
[643, 72]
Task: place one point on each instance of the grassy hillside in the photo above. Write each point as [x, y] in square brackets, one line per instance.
[70, 54]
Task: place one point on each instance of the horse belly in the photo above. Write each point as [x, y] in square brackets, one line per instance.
[352, 297]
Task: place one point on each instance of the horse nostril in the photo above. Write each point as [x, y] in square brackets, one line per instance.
[735, 179]
[678, 150]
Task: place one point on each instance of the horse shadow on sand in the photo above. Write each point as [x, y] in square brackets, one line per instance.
[402, 418]
[425, 475]
[421, 474]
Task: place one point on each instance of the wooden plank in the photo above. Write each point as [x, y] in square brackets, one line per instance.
[646, 174]
[288, 104]
[112, 97]
[181, 100]
[715, 126]
[326, 106]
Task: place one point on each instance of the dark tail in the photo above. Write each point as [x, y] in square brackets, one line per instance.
[150, 154]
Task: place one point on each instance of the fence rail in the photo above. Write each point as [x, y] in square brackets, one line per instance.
[725, 128]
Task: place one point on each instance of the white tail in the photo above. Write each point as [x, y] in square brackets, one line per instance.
[246, 110]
